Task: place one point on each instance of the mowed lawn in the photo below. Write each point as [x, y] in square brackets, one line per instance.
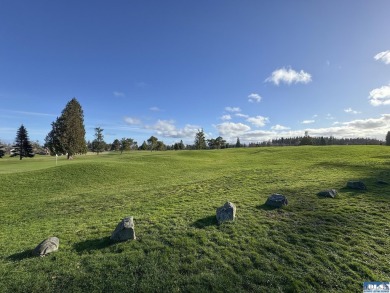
[312, 245]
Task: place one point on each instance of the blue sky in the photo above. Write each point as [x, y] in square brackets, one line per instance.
[250, 69]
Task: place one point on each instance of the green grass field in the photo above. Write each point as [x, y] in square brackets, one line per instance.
[312, 245]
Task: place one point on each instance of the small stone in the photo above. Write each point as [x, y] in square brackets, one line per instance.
[276, 200]
[47, 246]
[328, 193]
[356, 185]
[124, 230]
[227, 212]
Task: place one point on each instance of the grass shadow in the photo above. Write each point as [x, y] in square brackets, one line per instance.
[94, 244]
[21, 255]
[352, 191]
[265, 207]
[205, 222]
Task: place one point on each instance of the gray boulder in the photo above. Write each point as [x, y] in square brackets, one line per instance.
[47, 246]
[356, 185]
[276, 200]
[124, 230]
[227, 212]
[328, 193]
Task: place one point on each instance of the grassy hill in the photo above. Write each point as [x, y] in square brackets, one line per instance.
[312, 245]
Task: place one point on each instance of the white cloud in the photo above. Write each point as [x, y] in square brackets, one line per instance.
[380, 96]
[226, 117]
[372, 127]
[254, 98]
[242, 115]
[155, 109]
[119, 94]
[279, 127]
[370, 123]
[329, 117]
[289, 76]
[258, 121]
[132, 120]
[308, 121]
[230, 129]
[232, 109]
[350, 110]
[383, 56]
[167, 128]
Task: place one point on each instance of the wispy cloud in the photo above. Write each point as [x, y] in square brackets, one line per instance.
[380, 96]
[279, 127]
[383, 56]
[30, 113]
[241, 115]
[329, 117]
[308, 121]
[258, 121]
[132, 121]
[254, 98]
[351, 111]
[119, 94]
[226, 117]
[155, 109]
[232, 109]
[289, 76]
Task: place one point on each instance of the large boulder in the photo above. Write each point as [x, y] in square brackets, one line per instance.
[227, 212]
[276, 200]
[328, 193]
[124, 230]
[356, 185]
[47, 246]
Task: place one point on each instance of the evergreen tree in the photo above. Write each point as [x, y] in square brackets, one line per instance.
[200, 141]
[152, 142]
[144, 146]
[388, 138]
[160, 146]
[179, 146]
[2, 150]
[218, 143]
[238, 143]
[98, 144]
[126, 144]
[116, 145]
[306, 140]
[22, 147]
[68, 132]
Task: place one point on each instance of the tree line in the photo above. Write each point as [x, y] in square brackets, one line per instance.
[67, 137]
[318, 141]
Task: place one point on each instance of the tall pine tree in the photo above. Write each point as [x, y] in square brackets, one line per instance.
[22, 146]
[200, 141]
[2, 151]
[98, 144]
[68, 132]
[238, 143]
